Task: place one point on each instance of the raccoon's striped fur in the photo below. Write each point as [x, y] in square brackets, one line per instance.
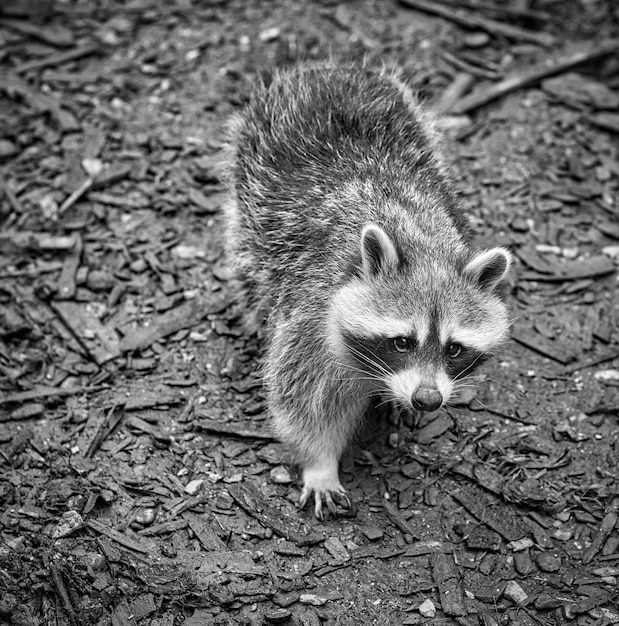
[353, 251]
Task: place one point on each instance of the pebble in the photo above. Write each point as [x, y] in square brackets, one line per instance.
[69, 523]
[312, 598]
[100, 280]
[523, 563]
[193, 486]
[372, 532]
[515, 592]
[138, 266]
[476, 40]
[607, 376]
[611, 251]
[521, 544]
[146, 516]
[280, 475]
[7, 149]
[278, 616]
[548, 562]
[520, 225]
[427, 608]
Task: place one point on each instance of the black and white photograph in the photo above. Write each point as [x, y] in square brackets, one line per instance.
[309, 312]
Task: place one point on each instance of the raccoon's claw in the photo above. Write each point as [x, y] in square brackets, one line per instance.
[332, 498]
[327, 490]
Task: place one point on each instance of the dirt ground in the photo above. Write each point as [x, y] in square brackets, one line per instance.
[139, 481]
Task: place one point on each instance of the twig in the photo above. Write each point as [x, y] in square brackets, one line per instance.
[233, 430]
[62, 591]
[397, 520]
[118, 537]
[472, 20]
[75, 196]
[470, 68]
[54, 36]
[47, 392]
[12, 84]
[58, 58]
[460, 84]
[606, 527]
[534, 75]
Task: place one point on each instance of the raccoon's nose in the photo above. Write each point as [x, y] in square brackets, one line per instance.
[426, 399]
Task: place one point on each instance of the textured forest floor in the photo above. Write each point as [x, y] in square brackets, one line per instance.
[139, 481]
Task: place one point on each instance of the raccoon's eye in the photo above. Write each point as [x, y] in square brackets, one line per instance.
[454, 350]
[402, 344]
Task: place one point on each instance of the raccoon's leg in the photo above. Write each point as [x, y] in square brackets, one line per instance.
[318, 437]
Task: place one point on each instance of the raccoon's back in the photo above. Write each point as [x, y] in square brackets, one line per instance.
[320, 152]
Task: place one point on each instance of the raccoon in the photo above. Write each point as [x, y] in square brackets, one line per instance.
[352, 251]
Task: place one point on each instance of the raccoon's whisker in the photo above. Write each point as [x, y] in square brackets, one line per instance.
[365, 375]
[380, 366]
[502, 384]
[466, 369]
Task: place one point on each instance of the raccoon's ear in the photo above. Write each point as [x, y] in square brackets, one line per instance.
[489, 268]
[377, 251]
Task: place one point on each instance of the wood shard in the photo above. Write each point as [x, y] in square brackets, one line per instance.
[532, 76]
[101, 342]
[187, 314]
[447, 578]
[249, 497]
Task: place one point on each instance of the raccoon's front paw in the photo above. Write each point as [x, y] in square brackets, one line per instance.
[327, 489]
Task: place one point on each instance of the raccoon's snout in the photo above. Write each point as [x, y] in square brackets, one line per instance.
[427, 399]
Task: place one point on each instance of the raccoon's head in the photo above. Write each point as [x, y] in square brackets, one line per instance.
[415, 326]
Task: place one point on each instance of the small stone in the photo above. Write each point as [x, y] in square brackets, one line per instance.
[427, 608]
[548, 562]
[476, 40]
[7, 149]
[70, 522]
[193, 486]
[280, 475]
[313, 599]
[92, 167]
[611, 251]
[523, 563]
[138, 266]
[607, 376]
[336, 549]
[269, 34]
[146, 516]
[372, 532]
[520, 225]
[521, 544]
[278, 616]
[100, 280]
[515, 592]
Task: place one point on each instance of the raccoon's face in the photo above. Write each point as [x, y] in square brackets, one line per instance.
[417, 333]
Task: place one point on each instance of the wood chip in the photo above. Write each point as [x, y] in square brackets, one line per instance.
[101, 342]
[248, 496]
